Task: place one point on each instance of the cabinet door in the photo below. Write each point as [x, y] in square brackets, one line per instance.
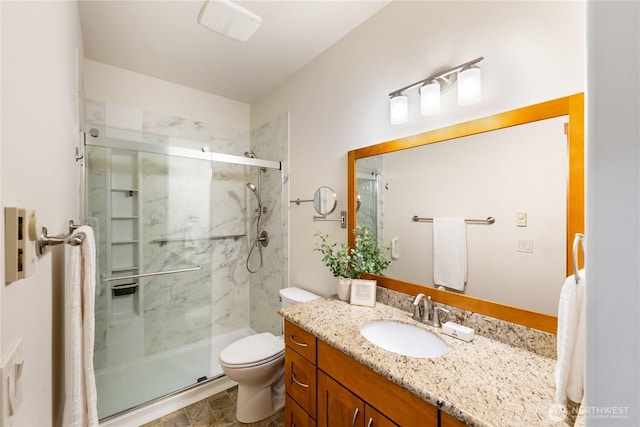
[374, 418]
[337, 406]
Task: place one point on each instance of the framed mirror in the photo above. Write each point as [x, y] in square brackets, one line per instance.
[325, 200]
[524, 161]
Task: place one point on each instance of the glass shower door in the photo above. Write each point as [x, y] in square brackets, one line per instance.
[151, 214]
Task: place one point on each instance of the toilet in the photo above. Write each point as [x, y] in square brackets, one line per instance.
[256, 363]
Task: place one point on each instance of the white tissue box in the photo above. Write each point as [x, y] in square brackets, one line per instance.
[458, 331]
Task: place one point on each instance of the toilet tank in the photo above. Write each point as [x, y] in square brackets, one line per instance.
[292, 296]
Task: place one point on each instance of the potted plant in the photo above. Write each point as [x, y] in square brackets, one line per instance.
[350, 263]
[367, 256]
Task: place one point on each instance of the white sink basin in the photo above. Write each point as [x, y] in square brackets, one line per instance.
[402, 338]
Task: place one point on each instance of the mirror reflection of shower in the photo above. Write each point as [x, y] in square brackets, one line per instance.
[262, 237]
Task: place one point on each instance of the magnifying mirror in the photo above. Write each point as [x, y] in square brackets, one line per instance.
[325, 200]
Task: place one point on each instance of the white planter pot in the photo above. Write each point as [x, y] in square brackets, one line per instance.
[344, 289]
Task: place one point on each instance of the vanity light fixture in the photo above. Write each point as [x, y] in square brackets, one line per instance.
[430, 98]
[469, 85]
[399, 109]
[466, 76]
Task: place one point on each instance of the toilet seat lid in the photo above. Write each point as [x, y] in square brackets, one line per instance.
[252, 349]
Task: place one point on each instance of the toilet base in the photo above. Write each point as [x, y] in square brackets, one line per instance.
[254, 404]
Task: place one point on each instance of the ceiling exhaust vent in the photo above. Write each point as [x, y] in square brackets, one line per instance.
[229, 19]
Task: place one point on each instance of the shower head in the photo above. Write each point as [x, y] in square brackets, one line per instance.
[253, 188]
[252, 155]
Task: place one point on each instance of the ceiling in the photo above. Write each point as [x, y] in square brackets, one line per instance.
[163, 39]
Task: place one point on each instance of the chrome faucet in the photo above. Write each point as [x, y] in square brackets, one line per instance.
[425, 311]
[419, 307]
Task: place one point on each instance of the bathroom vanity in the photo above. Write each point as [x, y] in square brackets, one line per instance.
[335, 377]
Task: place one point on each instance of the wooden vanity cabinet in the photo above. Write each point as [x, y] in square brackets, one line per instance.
[327, 388]
[397, 405]
[300, 376]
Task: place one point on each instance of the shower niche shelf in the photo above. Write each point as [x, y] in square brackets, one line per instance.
[123, 239]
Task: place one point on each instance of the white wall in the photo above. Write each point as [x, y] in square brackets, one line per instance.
[534, 52]
[122, 87]
[613, 212]
[40, 41]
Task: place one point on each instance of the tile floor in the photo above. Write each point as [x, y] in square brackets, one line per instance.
[216, 411]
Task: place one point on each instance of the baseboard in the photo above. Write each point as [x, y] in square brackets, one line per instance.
[168, 404]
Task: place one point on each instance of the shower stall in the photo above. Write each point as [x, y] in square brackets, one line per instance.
[190, 256]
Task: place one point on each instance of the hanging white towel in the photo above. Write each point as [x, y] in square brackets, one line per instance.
[450, 252]
[569, 370]
[80, 407]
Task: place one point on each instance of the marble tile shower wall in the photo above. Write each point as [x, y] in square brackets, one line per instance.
[200, 199]
[271, 141]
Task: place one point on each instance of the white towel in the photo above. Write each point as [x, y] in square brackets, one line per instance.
[569, 370]
[450, 252]
[80, 407]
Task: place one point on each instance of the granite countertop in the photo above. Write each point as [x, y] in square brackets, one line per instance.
[481, 383]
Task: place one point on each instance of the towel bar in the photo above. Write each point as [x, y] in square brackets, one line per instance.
[44, 240]
[490, 220]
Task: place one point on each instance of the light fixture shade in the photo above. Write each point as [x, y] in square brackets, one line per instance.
[469, 85]
[399, 109]
[430, 98]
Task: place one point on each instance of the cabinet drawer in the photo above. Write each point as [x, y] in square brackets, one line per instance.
[295, 416]
[300, 340]
[300, 381]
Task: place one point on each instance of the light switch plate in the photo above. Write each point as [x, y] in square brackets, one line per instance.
[521, 219]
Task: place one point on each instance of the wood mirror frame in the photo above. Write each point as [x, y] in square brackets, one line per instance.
[571, 106]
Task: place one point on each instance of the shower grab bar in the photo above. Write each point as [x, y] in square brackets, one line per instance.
[157, 273]
[490, 220]
[163, 242]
